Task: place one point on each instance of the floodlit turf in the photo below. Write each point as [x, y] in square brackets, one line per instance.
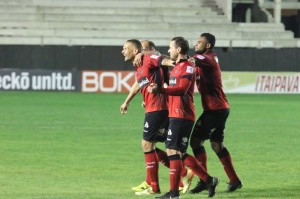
[78, 146]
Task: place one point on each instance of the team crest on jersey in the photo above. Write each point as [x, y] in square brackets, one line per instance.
[154, 56]
[143, 82]
[190, 69]
[172, 81]
[200, 57]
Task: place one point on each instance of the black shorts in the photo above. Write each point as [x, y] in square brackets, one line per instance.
[156, 126]
[178, 134]
[211, 125]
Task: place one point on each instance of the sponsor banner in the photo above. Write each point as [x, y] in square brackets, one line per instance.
[39, 80]
[233, 82]
[121, 81]
[261, 82]
[107, 81]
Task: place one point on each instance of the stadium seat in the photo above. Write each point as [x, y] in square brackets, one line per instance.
[111, 22]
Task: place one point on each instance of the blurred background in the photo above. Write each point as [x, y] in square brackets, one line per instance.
[75, 45]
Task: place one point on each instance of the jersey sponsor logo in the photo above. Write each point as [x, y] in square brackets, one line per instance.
[172, 81]
[200, 57]
[143, 82]
[146, 125]
[153, 56]
[190, 69]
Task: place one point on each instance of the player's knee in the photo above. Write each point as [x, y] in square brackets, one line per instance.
[217, 146]
[147, 146]
[171, 152]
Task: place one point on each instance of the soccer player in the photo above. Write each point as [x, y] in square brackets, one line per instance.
[211, 123]
[156, 116]
[148, 47]
[181, 118]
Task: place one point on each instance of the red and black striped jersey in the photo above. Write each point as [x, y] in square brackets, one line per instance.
[151, 72]
[181, 91]
[209, 82]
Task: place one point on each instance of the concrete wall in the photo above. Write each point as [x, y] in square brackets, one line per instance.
[110, 58]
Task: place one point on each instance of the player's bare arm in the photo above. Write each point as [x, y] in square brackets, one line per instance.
[192, 61]
[133, 91]
[138, 59]
[167, 62]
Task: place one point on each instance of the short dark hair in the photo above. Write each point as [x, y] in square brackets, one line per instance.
[136, 43]
[182, 43]
[150, 46]
[210, 39]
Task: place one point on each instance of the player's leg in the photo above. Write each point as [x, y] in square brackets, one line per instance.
[199, 134]
[217, 145]
[209, 181]
[162, 155]
[151, 127]
[174, 159]
[190, 161]
[162, 136]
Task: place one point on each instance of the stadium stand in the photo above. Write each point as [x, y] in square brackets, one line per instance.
[111, 22]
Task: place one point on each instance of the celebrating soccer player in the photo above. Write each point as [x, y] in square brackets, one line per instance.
[211, 123]
[181, 118]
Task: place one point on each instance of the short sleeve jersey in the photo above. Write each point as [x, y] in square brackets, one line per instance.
[151, 72]
[209, 82]
[182, 106]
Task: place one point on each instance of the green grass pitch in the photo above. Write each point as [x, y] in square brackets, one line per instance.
[78, 146]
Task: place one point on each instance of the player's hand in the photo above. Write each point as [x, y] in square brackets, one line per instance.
[165, 85]
[152, 88]
[138, 60]
[123, 108]
[192, 61]
[143, 104]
